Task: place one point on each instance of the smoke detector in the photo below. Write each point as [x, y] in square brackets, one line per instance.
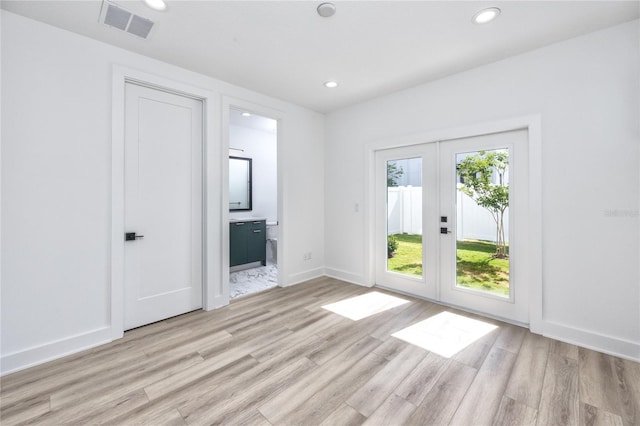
[326, 9]
[117, 17]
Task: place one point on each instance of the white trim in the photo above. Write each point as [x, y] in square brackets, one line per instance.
[369, 221]
[346, 276]
[257, 109]
[534, 125]
[588, 339]
[303, 276]
[1, 198]
[211, 204]
[530, 122]
[40, 354]
[117, 202]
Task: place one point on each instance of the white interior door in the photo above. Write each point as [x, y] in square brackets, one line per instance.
[163, 205]
[450, 248]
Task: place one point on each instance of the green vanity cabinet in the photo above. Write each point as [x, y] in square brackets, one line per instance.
[237, 243]
[247, 242]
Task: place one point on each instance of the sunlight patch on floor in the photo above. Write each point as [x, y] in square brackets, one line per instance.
[445, 333]
[359, 307]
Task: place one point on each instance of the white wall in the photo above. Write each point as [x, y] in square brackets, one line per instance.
[587, 92]
[56, 166]
[262, 147]
[1, 198]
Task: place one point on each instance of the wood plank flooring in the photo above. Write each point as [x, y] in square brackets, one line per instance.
[279, 358]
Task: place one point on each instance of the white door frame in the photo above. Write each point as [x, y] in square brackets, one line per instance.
[227, 103]
[532, 123]
[212, 200]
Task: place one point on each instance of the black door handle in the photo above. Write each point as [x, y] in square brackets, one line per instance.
[131, 236]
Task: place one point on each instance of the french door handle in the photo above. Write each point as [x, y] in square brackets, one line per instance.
[131, 236]
[445, 231]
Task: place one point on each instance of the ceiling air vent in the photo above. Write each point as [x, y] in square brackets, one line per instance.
[117, 17]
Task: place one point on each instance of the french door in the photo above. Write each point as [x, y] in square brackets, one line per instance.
[451, 222]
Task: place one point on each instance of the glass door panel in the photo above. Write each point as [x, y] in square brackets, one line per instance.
[482, 221]
[404, 216]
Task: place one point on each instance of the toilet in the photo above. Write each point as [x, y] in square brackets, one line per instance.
[272, 242]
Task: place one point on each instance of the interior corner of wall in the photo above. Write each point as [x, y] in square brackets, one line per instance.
[347, 276]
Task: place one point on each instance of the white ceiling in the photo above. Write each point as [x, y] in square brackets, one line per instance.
[284, 49]
[254, 121]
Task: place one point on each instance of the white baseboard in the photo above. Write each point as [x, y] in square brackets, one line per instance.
[216, 302]
[20, 360]
[301, 277]
[588, 339]
[345, 276]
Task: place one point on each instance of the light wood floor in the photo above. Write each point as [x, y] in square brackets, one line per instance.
[280, 358]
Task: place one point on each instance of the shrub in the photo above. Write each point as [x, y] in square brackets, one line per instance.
[392, 246]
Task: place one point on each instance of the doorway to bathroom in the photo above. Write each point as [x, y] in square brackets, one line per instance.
[253, 202]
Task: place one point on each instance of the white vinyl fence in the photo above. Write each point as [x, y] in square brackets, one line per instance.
[472, 221]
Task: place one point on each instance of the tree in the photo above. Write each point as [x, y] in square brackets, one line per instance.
[394, 172]
[477, 172]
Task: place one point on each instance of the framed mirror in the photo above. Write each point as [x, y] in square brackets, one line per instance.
[239, 184]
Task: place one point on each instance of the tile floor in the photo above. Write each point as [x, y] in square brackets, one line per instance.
[253, 280]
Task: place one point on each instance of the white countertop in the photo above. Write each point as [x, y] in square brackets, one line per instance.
[247, 219]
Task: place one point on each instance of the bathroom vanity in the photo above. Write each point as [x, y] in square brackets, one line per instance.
[247, 241]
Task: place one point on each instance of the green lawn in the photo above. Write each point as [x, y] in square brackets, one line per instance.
[475, 266]
[408, 257]
[477, 269]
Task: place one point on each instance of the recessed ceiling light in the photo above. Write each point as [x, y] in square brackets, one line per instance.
[326, 9]
[156, 4]
[246, 114]
[486, 15]
[331, 84]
